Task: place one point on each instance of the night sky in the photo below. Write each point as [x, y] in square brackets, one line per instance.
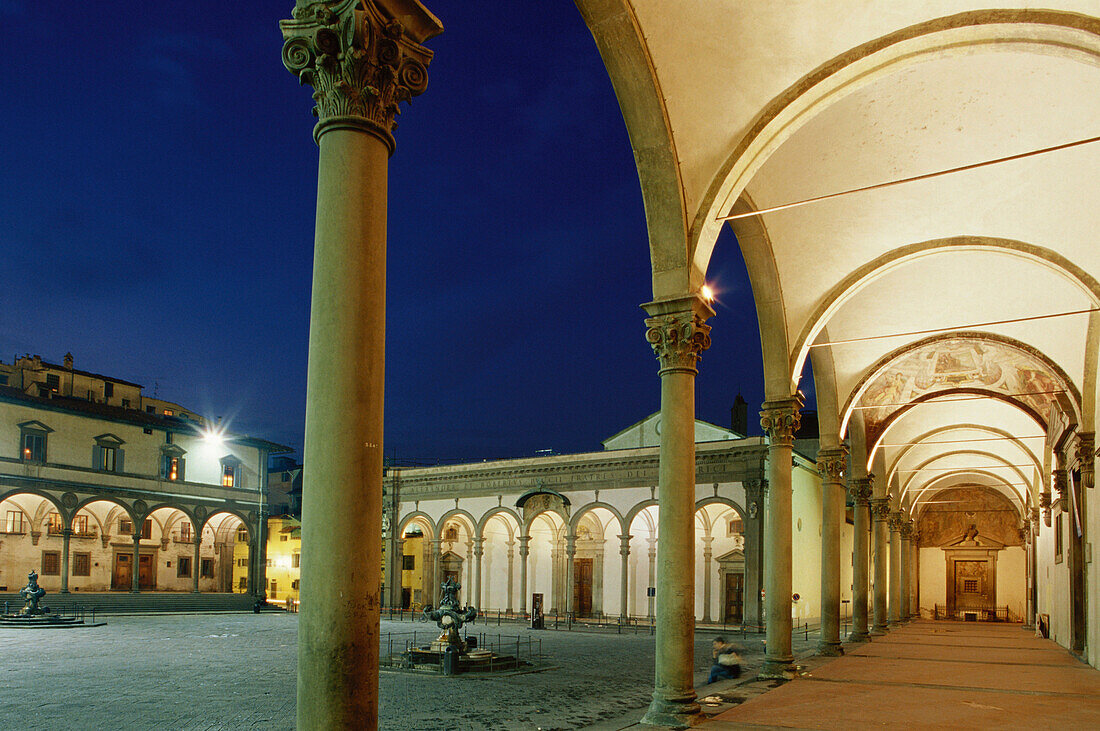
[157, 193]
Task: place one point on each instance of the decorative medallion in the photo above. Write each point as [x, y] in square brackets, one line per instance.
[69, 500]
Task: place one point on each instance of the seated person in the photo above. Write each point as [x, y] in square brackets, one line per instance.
[727, 661]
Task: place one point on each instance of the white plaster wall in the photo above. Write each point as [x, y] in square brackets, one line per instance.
[806, 544]
[494, 567]
[933, 579]
[846, 536]
[1012, 580]
[540, 566]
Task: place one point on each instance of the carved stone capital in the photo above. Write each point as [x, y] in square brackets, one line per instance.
[880, 508]
[906, 530]
[360, 61]
[831, 463]
[1035, 519]
[1086, 458]
[678, 339]
[755, 489]
[780, 420]
[1061, 484]
[1044, 503]
[861, 490]
[896, 520]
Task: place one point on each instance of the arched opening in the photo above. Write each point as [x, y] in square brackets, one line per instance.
[719, 564]
[642, 577]
[546, 562]
[416, 533]
[27, 542]
[499, 533]
[597, 575]
[225, 558]
[456, 555]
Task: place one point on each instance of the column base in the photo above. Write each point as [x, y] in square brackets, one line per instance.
[673, 712]
[859, 637]
[830, 649]
[64, 591]
[878, 630]
[777, 670]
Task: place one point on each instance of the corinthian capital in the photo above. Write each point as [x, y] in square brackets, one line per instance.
[360, 59]
[1044, 503]
[831, 463]
[1086, 456]
[781, 419]
[677, 339]
[906, 530]
[861, 490]
[880, 508]
[896, 521]
[1061, 484]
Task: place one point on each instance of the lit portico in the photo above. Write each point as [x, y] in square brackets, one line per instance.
[966, 296]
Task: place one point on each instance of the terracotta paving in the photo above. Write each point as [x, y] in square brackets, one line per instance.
[934, 675]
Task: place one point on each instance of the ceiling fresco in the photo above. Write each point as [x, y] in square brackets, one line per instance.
[958, 363]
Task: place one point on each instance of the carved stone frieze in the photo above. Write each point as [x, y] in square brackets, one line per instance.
[780, 420]
[831, 463]
[677, 340]
[360, 62]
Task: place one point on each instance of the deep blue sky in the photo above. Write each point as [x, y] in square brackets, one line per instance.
[156, 219]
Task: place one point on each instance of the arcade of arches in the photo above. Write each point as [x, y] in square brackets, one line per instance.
[951, 322]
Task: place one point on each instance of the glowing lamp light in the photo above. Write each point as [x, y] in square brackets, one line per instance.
[214, 437]
[707, 292]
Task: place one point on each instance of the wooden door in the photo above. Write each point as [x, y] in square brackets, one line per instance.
[735, 590]
[146, 580]
[971, 585]
[582, 586]
[122, 576]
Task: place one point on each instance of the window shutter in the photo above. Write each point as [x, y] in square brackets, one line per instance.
[97, 457]
[180, 476]
[118, 460]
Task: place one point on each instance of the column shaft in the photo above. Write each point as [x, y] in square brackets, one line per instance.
[707, 555]
[861, 519]
[881, 509]
[831, 464]
[511, 577]
[135, 578]
[755, 496]
[66, 536]
[570, 555]
[479, 550]
[650, 598]
[524, 549]
[624, 593]
[894, 607]
[780, 420]
[906, 577]
[342, 502]
[196, 563]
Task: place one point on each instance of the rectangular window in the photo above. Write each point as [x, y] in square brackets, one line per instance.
[295, 560]
[408, 563]
[242, 562]
[125, 403]
[108, 458]
[108, 389]
[51, 563]
[242, 536]
[14, 522]
[147, 529]
[53, 381]
[167, 412]
[970, 586]
[125, 527]
[54, 524]
[274, 588]
[284, 538]
[82, 564]
[243, 584]
[185, 530]
[34, 447]
[183, 567]
[294, 584]
[80, 525]
[229, 475]
[151, 409]
[170, 469]
[207, 568]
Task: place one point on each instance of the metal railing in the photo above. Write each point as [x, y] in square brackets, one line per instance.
[505, 651]
[974, 614]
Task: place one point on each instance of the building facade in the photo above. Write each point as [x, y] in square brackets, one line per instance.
[103, 489]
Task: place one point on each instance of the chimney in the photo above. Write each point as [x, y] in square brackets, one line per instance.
[69, 361]
[739, 416]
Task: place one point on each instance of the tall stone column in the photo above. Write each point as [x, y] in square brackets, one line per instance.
[756, 492]
[524, 550]
[511, 571]
[196, 562]
[905, 533]
[914, 572]
[831, 463]
[861, 518]
[397, 574]
[624, 575]
[678, 332]
[780, 421]
[260, 529]
[570, 555]
[1033, 567]
[707, 556]
[66, 538]
[434, 578]
[650, 599]
[135, 578]
[880, 508]
[361, 59]
[479, 551]
[895, 522]
[468, 583]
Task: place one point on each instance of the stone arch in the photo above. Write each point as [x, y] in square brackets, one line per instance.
[634, 511]
[855, 282]
[462, 516]
[918, 441]
[499, 512]
[719, 500]
[103, 498]
[420, 518]
[1063, 33]
[48, 500]
[994, 478]
[903, 485]
[575, 520]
